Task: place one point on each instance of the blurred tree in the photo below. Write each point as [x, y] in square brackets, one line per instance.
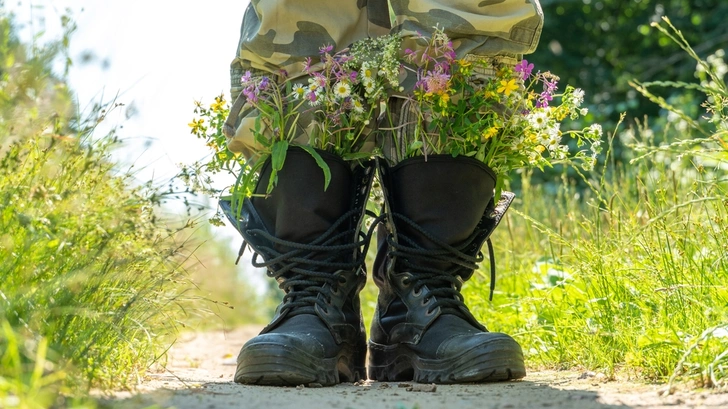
[599, 45]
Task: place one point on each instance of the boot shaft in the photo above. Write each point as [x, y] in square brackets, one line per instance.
[439, 215]
[439, 200]
[309, 238]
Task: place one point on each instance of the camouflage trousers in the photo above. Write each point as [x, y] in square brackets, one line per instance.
[281, 34]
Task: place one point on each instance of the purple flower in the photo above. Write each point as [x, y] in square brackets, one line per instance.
[409, 55]
[353, 77]
[449, 53]
[550, 86]
[319, 79]
[251, 93]
[442, 66]
[343, 58]
[543, 99]
[246, 77]
[326, 49]
[524, 68]
[264, 83]
[307, 64]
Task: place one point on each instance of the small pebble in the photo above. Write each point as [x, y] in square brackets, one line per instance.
[422, 388]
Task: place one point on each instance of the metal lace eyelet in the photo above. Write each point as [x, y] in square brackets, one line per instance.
[417, 292]
[429, 313]
[426, 301]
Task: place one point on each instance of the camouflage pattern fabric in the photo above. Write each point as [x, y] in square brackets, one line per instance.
[280, 34]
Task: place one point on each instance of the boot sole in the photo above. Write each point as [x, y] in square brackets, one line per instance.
[283, 365]
[501, 359]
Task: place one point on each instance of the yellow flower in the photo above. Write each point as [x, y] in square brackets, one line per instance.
[444, 99]
[218, 105]
[561, 113]
[465, 67]
[507, 87]
[540, 148]
[490, 95]
[489, 133]
[197, 125]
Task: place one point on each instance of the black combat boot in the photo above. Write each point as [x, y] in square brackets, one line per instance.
[311, 244]
[440, 212]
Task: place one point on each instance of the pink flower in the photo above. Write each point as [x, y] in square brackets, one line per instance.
[409, 55]
[436, 82]
[319, 79]
[307, 64]
[524, 68]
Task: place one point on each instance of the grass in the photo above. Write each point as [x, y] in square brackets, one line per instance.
[94, 287]
[628, 276]
[97, 280]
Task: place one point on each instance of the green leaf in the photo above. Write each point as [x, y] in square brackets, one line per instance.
[321, 163]
[414, 146]
[278, 156]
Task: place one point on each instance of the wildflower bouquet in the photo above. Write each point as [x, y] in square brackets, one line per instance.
[328, 109]
[508, 120]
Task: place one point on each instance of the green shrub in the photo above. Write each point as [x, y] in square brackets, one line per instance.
[92, 285]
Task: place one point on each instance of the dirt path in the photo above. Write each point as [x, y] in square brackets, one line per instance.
[200, 369]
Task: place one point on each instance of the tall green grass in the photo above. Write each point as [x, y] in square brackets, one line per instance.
[92, 287]
[631, 275]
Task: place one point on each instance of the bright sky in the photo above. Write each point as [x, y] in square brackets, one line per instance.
[162, 56]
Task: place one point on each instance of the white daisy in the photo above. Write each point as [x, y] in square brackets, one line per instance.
[342, 89]
[298, 91]
[358, 106]
[538, 119]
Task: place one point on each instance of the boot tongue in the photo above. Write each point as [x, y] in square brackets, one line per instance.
[298, 209]
[445, 196]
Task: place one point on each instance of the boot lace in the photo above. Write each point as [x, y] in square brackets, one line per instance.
[444, 285]
[304, 269]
